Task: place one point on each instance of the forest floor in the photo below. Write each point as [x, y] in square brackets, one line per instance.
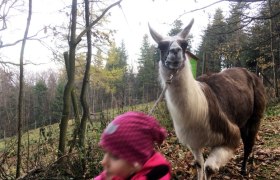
[265, 163]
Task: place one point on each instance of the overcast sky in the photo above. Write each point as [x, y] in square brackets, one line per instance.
[130, 21]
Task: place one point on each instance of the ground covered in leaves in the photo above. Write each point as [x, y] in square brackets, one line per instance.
[265, 163]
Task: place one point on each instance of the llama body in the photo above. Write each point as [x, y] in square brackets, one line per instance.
[213, 111]
[193, 121]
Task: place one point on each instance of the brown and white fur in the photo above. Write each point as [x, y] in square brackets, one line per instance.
[214, 110]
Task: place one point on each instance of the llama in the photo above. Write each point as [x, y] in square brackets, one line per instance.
[213, 111]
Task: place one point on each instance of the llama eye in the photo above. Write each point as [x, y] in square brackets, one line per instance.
[163, 46]
[183, 44]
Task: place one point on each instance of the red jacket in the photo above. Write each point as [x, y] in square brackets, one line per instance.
[157, 167]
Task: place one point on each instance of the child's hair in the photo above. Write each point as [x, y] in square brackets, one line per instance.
[131, 136]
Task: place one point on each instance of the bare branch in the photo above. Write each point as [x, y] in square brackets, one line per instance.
[198, 9]
[245, 0]
[247, 20]
[20, 40]
[263, 17]
[16, 64]
[79, 38]
[5, 7]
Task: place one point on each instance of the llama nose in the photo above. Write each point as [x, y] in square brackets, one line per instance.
[175, 51]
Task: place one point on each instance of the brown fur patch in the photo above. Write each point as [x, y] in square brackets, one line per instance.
[235, 98]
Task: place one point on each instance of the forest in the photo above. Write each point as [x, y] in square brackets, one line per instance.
[50, 122]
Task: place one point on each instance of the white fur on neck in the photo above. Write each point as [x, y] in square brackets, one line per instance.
[185, 92]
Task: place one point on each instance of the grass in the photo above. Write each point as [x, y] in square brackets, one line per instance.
[33, 136]
[267, 149]
[53, 130]
[273, 110]
[38, 151]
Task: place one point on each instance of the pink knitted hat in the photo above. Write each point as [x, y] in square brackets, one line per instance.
[131, 136]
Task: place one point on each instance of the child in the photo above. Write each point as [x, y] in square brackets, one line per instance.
[128, 142]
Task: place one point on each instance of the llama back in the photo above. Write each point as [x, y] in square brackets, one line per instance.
[240, 86]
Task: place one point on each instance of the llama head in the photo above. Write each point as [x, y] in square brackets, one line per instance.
[172, 49]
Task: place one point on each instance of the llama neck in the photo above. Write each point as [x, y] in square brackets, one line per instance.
[185, 92]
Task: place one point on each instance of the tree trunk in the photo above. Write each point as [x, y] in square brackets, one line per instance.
[71, 80]
[84, 90]
[21, 91]
[74, 103]
[70, 83]
[275, 84]
[83, 97]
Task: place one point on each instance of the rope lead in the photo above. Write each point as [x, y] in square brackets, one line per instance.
[168, 82]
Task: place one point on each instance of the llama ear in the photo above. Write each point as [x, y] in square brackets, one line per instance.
[183, 34]
[156, 36]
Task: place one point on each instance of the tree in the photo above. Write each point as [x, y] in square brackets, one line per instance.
[122, 87]
[21, 89]
[263, 47]
[271, 32]
[117, 64]
[96, 81]
[40, 105]
[84, 91]
[51, 86]
[247, 41]
[74, 40]
[212, 43]
[8, 103]
[177, 27]
[116, 57]
[147, 84]
[57, 103]
[70, 83]
[236, 38]
[98, 61]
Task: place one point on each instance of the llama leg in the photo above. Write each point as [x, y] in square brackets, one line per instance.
[248, 135]
[217, 158]
[199, 163]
